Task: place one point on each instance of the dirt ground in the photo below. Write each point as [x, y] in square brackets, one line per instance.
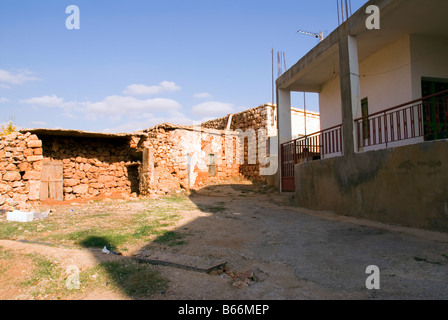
[272, 251]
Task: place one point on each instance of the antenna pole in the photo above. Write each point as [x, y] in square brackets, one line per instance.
[346, 9]
[304, 109]
[272, 54]
[339, 20]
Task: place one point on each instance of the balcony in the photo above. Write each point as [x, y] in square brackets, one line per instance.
[308, 148]
[420, 120]
[425, 119]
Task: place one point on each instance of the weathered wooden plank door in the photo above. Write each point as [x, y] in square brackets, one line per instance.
[289, 160]
[52, 181]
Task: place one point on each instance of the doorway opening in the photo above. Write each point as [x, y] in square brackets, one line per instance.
[435, 109]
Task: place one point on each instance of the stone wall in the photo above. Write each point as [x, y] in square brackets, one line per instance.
[178, 157]
[20, 169]
[93, 166]
[218, 124]
[261, 117]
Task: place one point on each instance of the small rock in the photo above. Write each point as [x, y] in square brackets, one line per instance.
[239, 284]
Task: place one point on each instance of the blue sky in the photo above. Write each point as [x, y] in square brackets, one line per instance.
[137, 63]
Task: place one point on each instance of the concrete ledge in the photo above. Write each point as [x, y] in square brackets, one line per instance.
[405, 186]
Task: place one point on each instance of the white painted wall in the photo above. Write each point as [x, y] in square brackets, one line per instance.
[429, 60]
[298, 122]
[385, 76]
[385, 79]
[330, 104]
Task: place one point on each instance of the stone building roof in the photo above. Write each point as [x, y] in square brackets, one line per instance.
[79, 133]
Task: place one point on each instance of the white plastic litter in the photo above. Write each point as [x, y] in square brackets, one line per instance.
[41, 215]
[105, 250]
[20, 216]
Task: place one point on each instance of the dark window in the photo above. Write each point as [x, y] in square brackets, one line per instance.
[365, 121]
[435, 110]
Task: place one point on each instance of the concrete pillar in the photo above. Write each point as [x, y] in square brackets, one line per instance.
[284, 116]
[283, 124]
[350, 89]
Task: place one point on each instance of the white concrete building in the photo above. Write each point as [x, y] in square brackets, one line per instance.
[371, 83]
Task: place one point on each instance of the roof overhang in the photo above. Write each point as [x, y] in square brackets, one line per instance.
[398, 19]
[82, 134]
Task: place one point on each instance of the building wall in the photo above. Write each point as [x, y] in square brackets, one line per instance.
[429, 60]
[385, 79]
[298, 122]
[252, 120]
[404, 185]
[264, 117]
[330, 104]
[385, 76]
[92, 166]
[180, 158]
[20, 169]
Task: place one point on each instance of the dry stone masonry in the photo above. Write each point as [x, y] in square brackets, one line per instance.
[41, 164]
[20, 169]
[264, 117]
[93, 166]
[186, 157]
[252, 120]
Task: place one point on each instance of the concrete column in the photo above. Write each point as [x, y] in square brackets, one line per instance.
[284, 116]
[284, 125]
[350, 90]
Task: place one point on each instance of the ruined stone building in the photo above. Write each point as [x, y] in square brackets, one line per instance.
[57, 164]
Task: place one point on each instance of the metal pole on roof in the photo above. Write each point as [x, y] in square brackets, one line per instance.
[304, 109]
[272, 54]
[346, 9]
[337, 5]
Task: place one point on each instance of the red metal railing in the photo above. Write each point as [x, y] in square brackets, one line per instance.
[426, 117]
[311, 147]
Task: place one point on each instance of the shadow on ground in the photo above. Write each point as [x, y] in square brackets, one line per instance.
[262, 248]
[195, 255]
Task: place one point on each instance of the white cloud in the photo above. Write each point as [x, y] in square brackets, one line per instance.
[114, 107]
[213, 109]
[39, 123]
[4, 100]
[119, 105]
[45, 101]
[7, 77]
[150, 120]
[203, 95]
[141, 89]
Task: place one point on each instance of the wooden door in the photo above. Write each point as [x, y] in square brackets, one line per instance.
[289, 160]
[52, 182]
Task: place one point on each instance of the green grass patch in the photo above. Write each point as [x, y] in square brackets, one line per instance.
[215, 208]
[110, 238]
[6, 254]
[99, 226]
[11, 230]
[8, 230]
[45, 277]
[175, 198]
[130, 277]
[170, 238]
[146, 231]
